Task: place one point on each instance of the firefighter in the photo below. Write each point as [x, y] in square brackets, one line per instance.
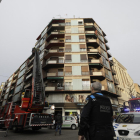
[96, 117]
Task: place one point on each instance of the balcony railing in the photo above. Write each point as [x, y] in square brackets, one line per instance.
[89, 32]
[85, 73]
[56, 41]
[54, 61]
[116, 81]
[118, 92]
[55, 74]
[97, 73]
[105, 39]
[88, 24]
[108, 48]
[96, 61]
[68, 73]
[111, 62]
[109, 53]
[57, 50]
[68, 87]
[85, 87]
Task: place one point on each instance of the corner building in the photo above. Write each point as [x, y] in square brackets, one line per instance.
[75, 55]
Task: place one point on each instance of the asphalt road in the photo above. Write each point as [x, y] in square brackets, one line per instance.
[43, 134]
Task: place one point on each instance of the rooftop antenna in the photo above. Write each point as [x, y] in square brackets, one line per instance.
[59, 15]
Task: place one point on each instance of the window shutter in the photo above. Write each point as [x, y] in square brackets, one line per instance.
[68, 57]
[81, 37]
[84, 68]
[68, 37]
[68, 46]
[68, 69]
[82, 46]
[83, 57]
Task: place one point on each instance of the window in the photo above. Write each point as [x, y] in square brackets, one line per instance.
[22, 66]
[68, 48]
[68, 38]
[85, 84]
[21, 73]
[84, 70]
[83, 58]
[80, 22]
[68, 23]
[68, 70]
[68, 118]
[68, 58]
[60, 72]
[81, 38]
[82, 47]
[68, 85]
[20, 80]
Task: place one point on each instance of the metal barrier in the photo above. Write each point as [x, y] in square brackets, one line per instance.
[7, 128]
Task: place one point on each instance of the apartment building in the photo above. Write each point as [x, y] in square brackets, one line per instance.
[1, 87]
[126, 87]
[137, 88]
[74, 54]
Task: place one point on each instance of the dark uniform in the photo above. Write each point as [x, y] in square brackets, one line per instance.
[96, 117]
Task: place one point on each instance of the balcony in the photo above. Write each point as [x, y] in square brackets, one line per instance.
[55, 34]
[111, 62]
[107, 47]
[58, 75]
[85, 73]
[118, 92]
[54, 53]
[105, 40]
[88, 24]
[113, 71]
[95, 61]
[109, 54]
[89, 32]
[85, 87]
[104, 88]
[116, 82]
[97, 73]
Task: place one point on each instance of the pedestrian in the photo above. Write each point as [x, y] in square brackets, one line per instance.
[96, 117]
[59, 123]
[78, 119]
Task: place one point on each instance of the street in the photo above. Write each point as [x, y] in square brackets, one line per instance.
[43, 134]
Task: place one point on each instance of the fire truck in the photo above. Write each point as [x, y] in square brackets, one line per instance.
[134, 106]
[23, 98]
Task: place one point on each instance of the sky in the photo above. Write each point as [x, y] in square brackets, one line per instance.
[21, 21]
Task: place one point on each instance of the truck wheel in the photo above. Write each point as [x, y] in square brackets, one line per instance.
[73, 126]
[35, 128]
[15, 127]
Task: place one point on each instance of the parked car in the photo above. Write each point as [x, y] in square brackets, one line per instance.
[127, 126]
[68, 122]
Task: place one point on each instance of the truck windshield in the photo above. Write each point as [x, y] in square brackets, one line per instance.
[134, 104]
[128, 118]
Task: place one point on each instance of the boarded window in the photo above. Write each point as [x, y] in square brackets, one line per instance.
[82, 46]
[68, 37]
[68, 69]
[68, 57]
[84, 68]
[81, 37]
[83, 57]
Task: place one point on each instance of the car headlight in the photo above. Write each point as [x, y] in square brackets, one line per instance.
[52, 107]
[137, 133]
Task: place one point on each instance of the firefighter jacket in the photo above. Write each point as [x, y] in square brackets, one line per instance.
[96, 117]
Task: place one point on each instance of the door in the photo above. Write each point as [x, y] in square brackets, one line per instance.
[67, 121]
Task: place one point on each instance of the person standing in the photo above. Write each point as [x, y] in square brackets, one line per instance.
[96, 117]
[59, 123]
[78, 119]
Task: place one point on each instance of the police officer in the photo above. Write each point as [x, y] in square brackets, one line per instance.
[96, 116]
